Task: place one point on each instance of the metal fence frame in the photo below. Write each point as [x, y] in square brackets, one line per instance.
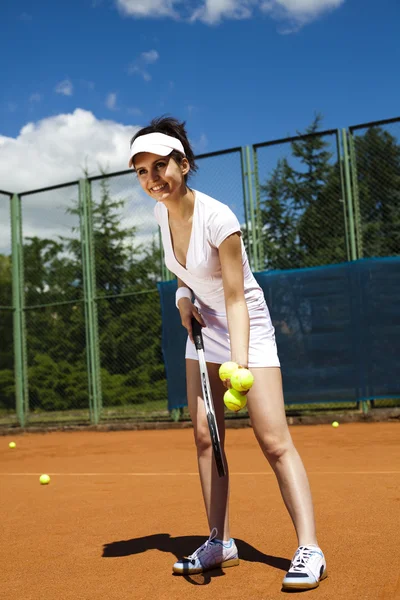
[251, 199]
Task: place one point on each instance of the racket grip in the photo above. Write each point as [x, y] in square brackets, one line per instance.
[197, 336]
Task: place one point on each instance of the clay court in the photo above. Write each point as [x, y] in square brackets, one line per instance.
[122, 506]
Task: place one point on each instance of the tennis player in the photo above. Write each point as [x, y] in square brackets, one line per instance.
[203, 247]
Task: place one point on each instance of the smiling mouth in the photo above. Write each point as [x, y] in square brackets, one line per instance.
[158, 188]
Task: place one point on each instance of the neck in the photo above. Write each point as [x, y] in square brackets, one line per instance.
[181, 209]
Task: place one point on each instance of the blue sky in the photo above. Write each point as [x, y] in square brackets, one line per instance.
[80, 77]
[235, 81]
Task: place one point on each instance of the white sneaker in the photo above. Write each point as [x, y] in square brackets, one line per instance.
[307, 569]
[212, 554]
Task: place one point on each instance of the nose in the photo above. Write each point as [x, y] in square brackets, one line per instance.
[154, 175]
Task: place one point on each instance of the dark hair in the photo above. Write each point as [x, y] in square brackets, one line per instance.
[174, 128]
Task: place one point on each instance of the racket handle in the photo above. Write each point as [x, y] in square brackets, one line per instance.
[197, 336]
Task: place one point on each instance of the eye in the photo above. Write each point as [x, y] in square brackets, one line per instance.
[141, 171]
[160, 165]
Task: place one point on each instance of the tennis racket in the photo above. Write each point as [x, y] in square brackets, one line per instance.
[207, 397]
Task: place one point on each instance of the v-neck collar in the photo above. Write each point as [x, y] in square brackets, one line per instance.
[190, 239]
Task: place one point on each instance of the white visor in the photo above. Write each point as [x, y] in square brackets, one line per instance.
[155, 143]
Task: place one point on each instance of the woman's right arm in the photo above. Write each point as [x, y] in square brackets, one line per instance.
[187, 310]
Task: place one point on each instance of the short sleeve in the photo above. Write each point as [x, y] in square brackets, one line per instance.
[221, 224]
[158, 212]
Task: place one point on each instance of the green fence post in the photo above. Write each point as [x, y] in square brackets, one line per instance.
[89, 287]
[356, 197]
[261, 255]
[252, 231]
[343, 199]
[349, 197]
[245, 205]
[352, 204]
[19, 330]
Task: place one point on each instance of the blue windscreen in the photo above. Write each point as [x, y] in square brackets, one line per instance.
[337, 330]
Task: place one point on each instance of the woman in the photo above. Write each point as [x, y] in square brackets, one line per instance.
[203, 247]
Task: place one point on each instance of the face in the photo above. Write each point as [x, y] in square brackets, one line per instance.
[160, 176]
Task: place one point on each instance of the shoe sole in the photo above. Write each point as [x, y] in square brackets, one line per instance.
[304, 586]
[233, 562]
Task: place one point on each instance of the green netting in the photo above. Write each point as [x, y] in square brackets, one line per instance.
[376, 188]
[7, 382]
[87, 317]
[57, 361]
[52, 254]
[301, 206]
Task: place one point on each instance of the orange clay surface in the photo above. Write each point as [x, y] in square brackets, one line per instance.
[122, 506]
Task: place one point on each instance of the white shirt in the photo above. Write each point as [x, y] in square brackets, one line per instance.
[212, 223]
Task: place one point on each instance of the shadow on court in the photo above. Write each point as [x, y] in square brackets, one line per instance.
[185, 545]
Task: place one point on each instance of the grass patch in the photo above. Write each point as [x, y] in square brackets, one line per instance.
[158, 411]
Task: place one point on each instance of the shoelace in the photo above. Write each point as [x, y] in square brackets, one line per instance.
[300, 559]
[206, 546]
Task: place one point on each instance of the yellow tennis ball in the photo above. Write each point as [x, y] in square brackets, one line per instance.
[335, 424]
[226, 370]
[242, 380]
[234, 400]
[44, 479]
[12, 445]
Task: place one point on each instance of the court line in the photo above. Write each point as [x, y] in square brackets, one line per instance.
[169, 474]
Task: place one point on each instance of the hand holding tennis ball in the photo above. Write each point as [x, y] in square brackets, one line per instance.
[241, 381]
[227, 369]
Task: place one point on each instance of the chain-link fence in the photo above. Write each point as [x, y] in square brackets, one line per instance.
[80, 312]
[300, 202]
[127, 262]
[375, 153]
[54, 311]
[7, 381]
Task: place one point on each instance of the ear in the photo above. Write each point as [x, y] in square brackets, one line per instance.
[185, 166]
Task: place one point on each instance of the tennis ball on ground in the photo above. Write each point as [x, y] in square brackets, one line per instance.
[242, 380]
[335, 424]
[227, 369]
[234, 400]
[44, 479]
[12, 445]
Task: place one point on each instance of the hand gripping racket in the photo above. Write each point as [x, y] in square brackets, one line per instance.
[207, 397]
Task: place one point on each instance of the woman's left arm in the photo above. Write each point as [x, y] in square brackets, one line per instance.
[230, 254]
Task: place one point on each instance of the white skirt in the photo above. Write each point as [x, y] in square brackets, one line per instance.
[217, 348]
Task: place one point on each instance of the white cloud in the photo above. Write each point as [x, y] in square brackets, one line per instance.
[65, 88]
[134, 111]
[299, 11]
[111, 101]
[146, 8]
[88, 84]
[213, 11]
[56, 150]
[150, 57]
[35, 98]
[139, 67]
[201, 144]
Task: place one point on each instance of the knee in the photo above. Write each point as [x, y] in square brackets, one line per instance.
[202, 440]
[275, 446]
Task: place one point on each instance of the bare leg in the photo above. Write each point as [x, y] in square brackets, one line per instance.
[215, 489]
[268, 418]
